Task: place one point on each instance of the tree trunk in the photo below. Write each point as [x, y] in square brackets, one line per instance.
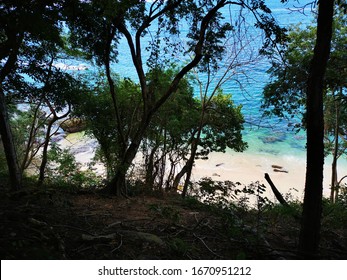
[5, 130]
[9, 147]
[117, 186]
[45, 151]
[195, 144]
[29, 153]
[187, 169]
[48, 138]
[150, 176]
[335, 155]
[190, 164]
[312, 208]
[179, 176]
[171, 175]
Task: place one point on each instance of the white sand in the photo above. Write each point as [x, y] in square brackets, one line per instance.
[247, 168]
[244, 167]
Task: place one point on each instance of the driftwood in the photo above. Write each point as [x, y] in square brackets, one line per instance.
[278, 195]
[278, 168]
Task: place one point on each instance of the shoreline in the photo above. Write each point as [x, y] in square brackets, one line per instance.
[288, 174]
[286, 171]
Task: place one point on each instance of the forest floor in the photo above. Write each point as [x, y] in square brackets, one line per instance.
[51, 224]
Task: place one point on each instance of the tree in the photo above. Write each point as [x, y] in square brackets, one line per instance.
[220, 122]
[25, 27]
[27, 127]
[219, 127]
[97, 28]
[95, 107]
[285, 96]
[335, 122]
[302, 83]
[166, 136]
[312, 207]
[169, 133]
[30, 77]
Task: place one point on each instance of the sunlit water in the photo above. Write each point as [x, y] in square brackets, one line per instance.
[265, 136]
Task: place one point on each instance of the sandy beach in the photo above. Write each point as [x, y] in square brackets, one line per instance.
[286, 171]
[247, 168]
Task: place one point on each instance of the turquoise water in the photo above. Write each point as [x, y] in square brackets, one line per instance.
[264, 135]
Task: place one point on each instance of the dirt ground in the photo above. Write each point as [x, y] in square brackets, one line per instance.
[51, 224]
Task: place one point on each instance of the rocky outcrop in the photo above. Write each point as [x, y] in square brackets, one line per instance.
[73, 125]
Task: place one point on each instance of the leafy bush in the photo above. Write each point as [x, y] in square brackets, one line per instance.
[64, 170]
[215, 192]
[226, 194]
[335, 214]
[342, 198]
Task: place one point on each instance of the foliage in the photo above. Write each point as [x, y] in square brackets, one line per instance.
[95, 24]
[31, 44]
[30, 37]
[222, 125]
[96, 108]
[342, 198]
[64, 171]
[33, 119]
[227, 194]
[178, 115]
[334, 214]
[98, 27]
[171, 130]
[167, 139]
[216, 193]
[285, 95]
[3, 166]
[179, 247]
[335, 122]
[29, 34]
[28, 131]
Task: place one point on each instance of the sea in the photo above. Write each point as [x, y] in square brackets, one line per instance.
[265, 135]
[247, 78]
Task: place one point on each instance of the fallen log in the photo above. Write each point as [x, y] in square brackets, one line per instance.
[276, 192]
[279, 197]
